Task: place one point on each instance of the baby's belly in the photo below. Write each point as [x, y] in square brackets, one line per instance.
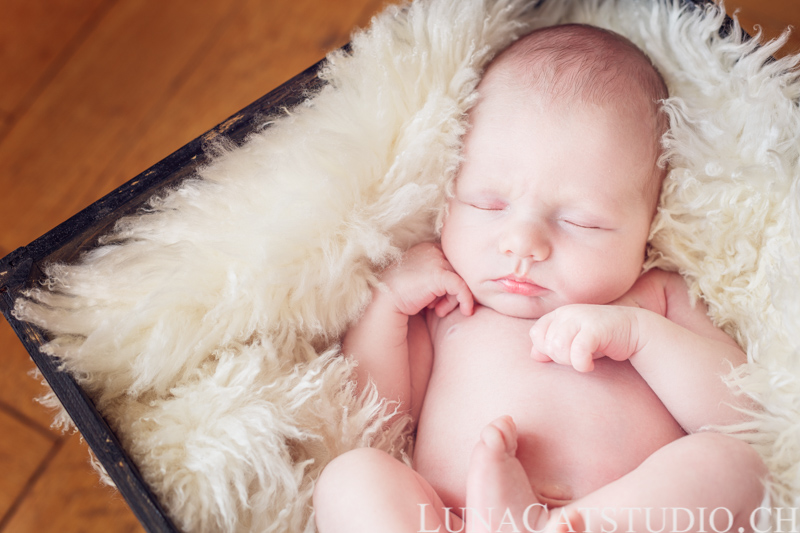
[577, 432]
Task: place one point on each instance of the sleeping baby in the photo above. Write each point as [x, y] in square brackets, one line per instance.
[553, 386]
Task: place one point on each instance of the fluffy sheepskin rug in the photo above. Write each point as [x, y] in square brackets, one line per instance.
[206, 327]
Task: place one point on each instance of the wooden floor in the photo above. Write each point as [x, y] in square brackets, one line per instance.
[92, 92]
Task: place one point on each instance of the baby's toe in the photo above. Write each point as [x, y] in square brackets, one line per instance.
[501, 435]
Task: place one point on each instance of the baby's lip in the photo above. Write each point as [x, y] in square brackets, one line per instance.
[519, 285]
[521, 279]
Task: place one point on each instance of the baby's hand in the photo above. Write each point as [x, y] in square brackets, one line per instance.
[424, 278]
[577, 334]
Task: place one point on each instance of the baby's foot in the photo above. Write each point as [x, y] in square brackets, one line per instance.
[499, 495]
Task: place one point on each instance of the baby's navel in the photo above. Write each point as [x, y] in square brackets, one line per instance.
[554, 495]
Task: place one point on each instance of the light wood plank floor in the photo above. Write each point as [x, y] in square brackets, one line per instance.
[92, 92]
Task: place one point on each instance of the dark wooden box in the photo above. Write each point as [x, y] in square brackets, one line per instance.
[22, 268]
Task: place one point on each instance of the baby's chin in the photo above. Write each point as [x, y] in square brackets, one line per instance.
[517, 306]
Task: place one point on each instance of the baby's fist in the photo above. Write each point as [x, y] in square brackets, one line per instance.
[424, 278]
[577, 334]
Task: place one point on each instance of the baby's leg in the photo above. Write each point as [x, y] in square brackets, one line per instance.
[701, 482]
[368, 490]
[499, 495]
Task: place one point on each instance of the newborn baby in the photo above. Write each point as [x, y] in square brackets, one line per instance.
[552, 384]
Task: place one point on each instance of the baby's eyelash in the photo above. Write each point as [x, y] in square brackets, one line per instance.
[487, 206]
[578, 225]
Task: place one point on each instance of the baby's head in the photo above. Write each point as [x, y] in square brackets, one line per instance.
[560, 178]
[578, 66]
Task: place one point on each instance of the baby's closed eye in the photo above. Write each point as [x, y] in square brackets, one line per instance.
[483, 203]
[581, 224]
[487, 206]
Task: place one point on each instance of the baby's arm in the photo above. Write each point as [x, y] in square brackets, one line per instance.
[672, 344]
[391, 341]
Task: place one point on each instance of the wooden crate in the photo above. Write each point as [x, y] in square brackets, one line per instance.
[22, 269]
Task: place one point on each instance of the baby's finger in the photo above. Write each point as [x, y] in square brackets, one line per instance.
[536, 355]
[538, 333]
[539, 329]
[445, 304]
[559, 339]
[457, 287]
[584, 349]
[466, 303]
[582, 361]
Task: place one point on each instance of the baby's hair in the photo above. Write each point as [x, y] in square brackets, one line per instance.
[586, 64]
[579, 61]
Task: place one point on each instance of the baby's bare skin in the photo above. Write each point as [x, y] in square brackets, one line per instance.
[566, 420]
[540, 368]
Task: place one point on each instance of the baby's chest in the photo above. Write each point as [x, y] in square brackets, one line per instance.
[484, 360]
[482, 370]
[484, 344]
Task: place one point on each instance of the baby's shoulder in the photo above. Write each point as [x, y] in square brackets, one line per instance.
[656, 290]
[670, 293]
[667, 294]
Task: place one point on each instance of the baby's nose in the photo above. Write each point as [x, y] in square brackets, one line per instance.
[526, 239]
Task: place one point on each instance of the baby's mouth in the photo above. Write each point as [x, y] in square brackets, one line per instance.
[519, 285]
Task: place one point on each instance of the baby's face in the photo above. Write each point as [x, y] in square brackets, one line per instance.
[549, 206]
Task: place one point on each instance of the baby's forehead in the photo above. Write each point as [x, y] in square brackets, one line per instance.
[578, 62]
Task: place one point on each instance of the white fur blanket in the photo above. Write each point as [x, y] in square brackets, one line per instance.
[206, 327]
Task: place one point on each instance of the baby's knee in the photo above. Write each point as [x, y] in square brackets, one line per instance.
[724, 450]
[359, 460]
[733, 462]
[350, 472]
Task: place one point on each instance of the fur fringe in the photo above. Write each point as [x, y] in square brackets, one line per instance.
[205, 327]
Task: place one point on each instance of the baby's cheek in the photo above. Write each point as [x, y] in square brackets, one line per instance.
[462, 251]
[590, 287]
[613, 287]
